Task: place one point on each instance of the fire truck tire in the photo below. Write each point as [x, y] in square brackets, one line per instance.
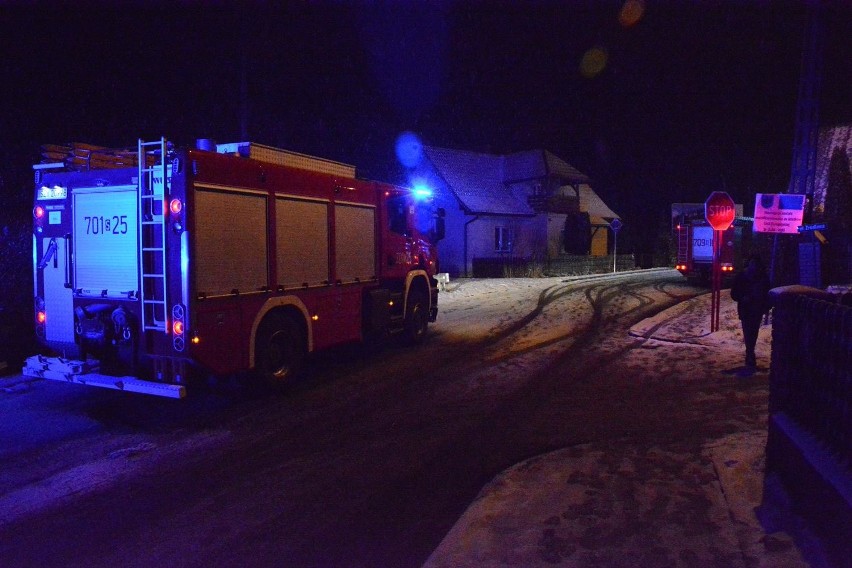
[416, 318]
[280, 348]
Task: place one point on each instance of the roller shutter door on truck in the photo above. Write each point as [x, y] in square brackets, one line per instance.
[302, 242]
[230, 242]
[355, 242]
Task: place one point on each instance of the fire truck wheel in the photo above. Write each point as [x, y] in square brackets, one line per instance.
[280, 351]
[416, 319]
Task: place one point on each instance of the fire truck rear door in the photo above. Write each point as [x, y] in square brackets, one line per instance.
[106, 249]
[59, 325]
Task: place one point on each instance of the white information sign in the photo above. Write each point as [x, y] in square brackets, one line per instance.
[778, 212]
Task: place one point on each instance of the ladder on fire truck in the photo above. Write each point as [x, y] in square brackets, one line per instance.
[153, 191]
[682, 243]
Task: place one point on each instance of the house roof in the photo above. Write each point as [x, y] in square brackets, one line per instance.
[522, 166]
[556, 166]
[483, 182]
[477, 180]
[534, 164]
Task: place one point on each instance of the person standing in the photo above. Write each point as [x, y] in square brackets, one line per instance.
[750, 291]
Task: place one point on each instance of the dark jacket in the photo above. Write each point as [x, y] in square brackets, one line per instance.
[750, 291]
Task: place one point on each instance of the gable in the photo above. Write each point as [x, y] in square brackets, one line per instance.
[563, 170]
[591, 203]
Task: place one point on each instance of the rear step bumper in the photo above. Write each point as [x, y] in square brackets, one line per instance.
[84, 373]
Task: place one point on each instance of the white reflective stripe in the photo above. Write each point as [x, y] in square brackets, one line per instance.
[184, 268]
[35, 264]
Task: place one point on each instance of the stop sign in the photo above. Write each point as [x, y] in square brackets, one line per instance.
[719, 210]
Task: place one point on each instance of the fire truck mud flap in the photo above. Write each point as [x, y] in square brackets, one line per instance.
[81, 372]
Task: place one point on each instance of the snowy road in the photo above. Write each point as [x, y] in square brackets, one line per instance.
[371, 460]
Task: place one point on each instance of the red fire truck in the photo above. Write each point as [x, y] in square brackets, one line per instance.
[694, 243]
[151, 263]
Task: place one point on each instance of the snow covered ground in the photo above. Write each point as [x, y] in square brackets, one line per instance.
[541, 512]
[543, 314]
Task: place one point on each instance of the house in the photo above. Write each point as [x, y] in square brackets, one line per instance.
[526, 207]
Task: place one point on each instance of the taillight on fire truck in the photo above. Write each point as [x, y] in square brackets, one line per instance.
[38, 215]
[40, 317]
[178, 327]
[175, 211]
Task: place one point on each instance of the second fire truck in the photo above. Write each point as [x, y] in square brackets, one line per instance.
[694, 243]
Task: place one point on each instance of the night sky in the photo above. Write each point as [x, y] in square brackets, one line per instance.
[674, 102]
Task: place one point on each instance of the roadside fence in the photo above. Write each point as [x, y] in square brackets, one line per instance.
[811, 373]
[809, 443]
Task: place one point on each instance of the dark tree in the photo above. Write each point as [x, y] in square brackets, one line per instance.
[838, 218]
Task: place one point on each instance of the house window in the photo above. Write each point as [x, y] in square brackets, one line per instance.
[502, 239]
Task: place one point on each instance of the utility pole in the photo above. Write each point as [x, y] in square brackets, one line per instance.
[806, 136]
[244, 94]
[807, 111]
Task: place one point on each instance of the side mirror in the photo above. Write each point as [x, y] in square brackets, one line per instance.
[440, 225]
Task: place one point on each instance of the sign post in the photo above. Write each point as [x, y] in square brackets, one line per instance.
[615, 226]
[719, 211]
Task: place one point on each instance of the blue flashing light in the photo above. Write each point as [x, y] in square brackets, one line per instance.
[421, 192]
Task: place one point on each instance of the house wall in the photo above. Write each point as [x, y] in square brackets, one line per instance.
[555, 234]
[599, 236]
[599, 241]
[556, 240]
[526, 238]
[540, 238]
[451, 247]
